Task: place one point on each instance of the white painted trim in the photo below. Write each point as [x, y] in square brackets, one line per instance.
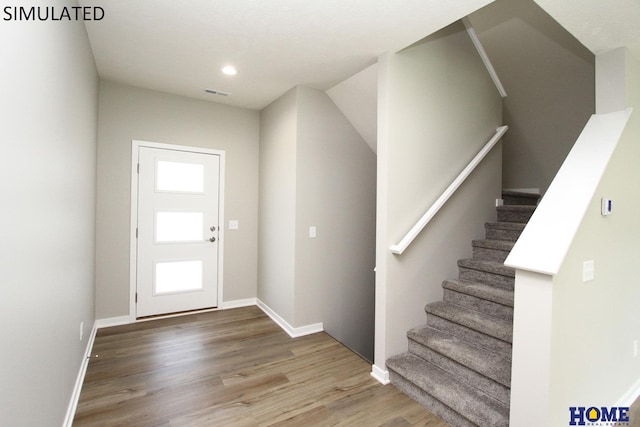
[112, 321]
[292, 331]
[631, 395]
[485, 58]
[135, 145]
[525, 190]
[562, 209]
[133, 223]
[180, 314]
[451, 189]
[533, 303]
[381, 375]
[77, 388]
[239, 303]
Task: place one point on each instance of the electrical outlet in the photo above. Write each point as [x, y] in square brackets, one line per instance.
[312, 231]
[81, 330]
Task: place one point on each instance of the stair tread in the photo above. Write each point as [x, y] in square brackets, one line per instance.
[462, 398]
[495, 327]
[480, 290]
[488, 266]
[503, 245]
[503, 225]
[483, 361]
[488, 325]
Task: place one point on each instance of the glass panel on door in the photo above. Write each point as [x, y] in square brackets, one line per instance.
[179, 177]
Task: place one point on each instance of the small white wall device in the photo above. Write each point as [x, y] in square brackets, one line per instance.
[607, 206]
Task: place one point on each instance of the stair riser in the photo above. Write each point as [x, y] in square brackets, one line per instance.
[514, 216]
[522, 201]
[429, 402]
[487, 385]
[458, 366]
[490, 254]
[497, 280]
[478, 304]
[499, 234]
[475, 337]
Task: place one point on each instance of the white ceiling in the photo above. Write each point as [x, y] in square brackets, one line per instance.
[600, 25]
[180, 46]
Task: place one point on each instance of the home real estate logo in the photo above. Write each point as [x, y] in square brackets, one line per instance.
[602, 416]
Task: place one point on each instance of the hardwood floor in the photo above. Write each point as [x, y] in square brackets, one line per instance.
[233, 368]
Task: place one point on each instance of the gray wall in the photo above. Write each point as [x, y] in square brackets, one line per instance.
[48, 119]
[336, 192]
[128, 113]
[549, 77]
[437, 106]
[276, 259]
[316, 170]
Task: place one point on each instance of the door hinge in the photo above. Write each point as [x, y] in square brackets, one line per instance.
[136, 297]
[138, 168]
[136, 232]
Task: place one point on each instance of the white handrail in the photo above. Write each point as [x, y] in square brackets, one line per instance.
[437, 205]
[485, 58]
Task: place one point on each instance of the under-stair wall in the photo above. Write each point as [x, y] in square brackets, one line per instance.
[437, 106]
[316, 171]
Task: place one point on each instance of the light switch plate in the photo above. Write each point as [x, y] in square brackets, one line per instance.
[233, 224]
[588, 271]
[312, 231]
[606, 206]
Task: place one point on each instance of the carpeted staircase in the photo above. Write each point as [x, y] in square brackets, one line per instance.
[459, 364]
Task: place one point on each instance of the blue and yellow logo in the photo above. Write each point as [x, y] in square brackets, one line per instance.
[581, 415]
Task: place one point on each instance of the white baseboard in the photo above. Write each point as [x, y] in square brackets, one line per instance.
[631, 395]
[112, 321]
[239, 303]
[292, 331]
[382, 375]
[77, 388]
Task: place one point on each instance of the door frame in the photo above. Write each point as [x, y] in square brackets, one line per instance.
[133, 240]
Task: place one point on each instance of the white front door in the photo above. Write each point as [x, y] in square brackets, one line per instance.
[177, 245]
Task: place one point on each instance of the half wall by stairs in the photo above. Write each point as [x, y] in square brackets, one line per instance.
[459, 364]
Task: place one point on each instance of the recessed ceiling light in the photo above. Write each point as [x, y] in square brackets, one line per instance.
[229, 70]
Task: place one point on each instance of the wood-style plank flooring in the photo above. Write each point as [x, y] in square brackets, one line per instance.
[233, 368]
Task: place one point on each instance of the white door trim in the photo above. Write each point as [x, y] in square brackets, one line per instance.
[133, 253]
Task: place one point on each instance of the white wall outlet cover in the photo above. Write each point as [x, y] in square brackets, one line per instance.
[588, 271]
[312, 231]
[234, 224]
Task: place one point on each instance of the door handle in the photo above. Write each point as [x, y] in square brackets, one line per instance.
[212, 239]
[212, 228]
